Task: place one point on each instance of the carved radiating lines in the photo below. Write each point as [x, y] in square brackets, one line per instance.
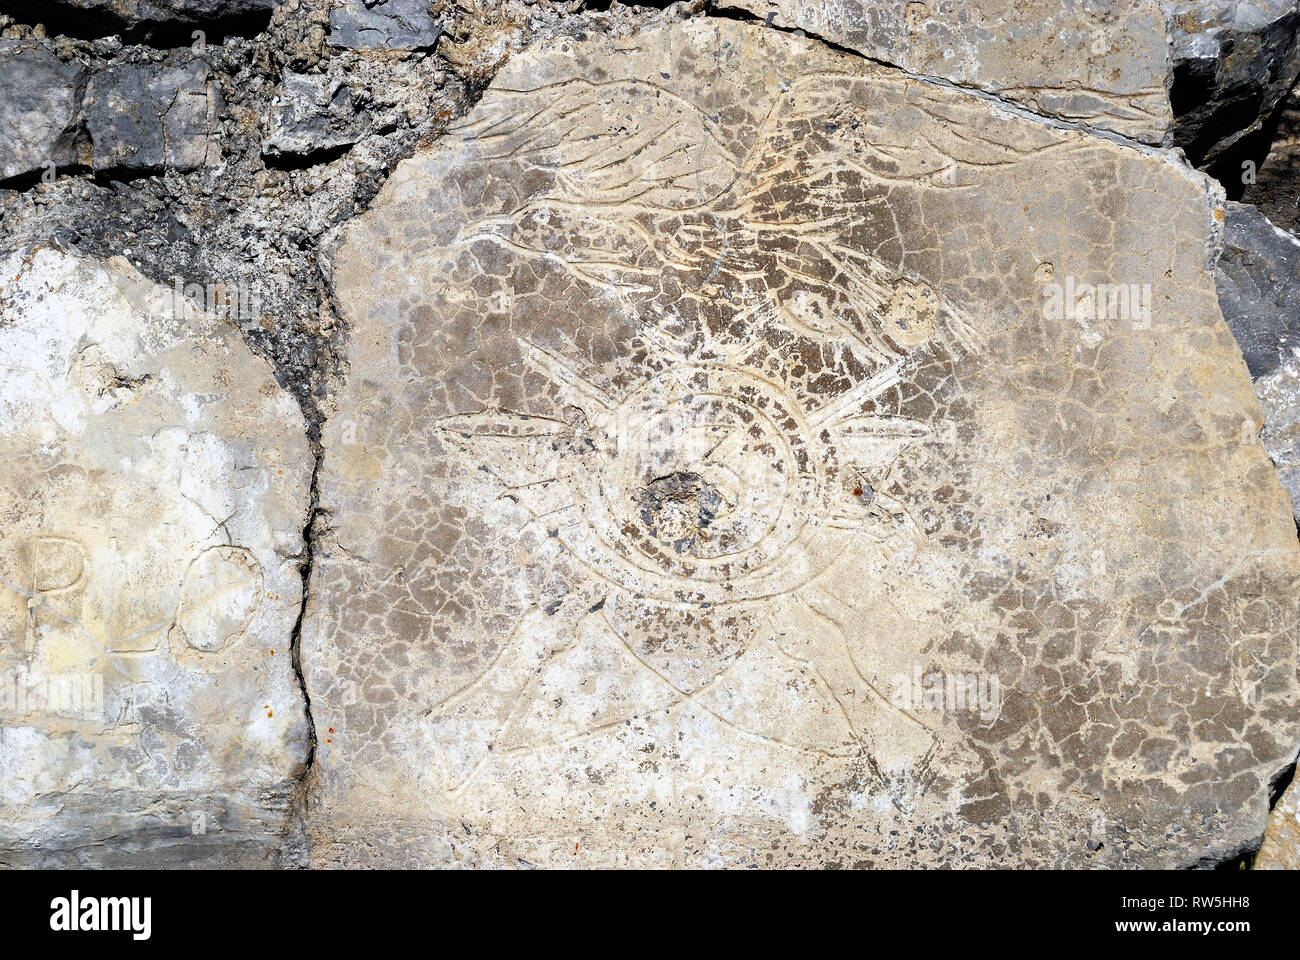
[714, 480]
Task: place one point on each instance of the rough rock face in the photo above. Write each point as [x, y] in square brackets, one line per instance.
[39, 100]
[153, 117]
[1281, 849]
[1231, 64]
[752, 456]
[1274, 186]
[1198, 74]
[398, 24]
[316, 113]
[123, 118]
[152, 506]
[1105, 64]
[1258, 279]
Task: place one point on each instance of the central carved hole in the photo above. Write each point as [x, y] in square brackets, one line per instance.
[678, 509]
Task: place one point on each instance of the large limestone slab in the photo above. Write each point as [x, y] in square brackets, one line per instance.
[152, 502]
[740, 461]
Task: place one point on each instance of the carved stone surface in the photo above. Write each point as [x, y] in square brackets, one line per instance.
[151, 513]
[1199, 74]
[718, 480]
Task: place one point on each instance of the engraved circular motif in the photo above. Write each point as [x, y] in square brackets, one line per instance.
[709, 489]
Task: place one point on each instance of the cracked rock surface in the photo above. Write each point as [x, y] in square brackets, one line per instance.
[38, 110]
[683, 429]
[403, 24]
[762, 432]
[1200, 75]
[151, 506]
[1281, 849]
[152, 118]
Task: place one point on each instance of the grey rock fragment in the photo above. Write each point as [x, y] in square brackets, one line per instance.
[153, 117]
[152, 503]
[1231, 64]
[391, 24]
[1258, 280]
[1104, 63]
[315, 112]
[39, 98]
[1198, 74]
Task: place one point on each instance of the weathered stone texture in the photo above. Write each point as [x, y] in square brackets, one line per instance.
[1199, 75]
[39, 101]
[702, 392]
[315, 112]
[1105, 64]
[153, 117]
[152, 505]
[1281, 849]
[1258, 279]
[391, 24]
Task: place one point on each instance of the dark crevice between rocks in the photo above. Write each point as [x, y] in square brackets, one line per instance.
[1209, 101]
[1218, 857]
[1229, 167]
[1279, 785]
[328, 368]
[301, 161]
[25, 181]
[164, 35]
[106, 176]
[309, 536]
[1237, 860]
[604, 6]
[1194, 96]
